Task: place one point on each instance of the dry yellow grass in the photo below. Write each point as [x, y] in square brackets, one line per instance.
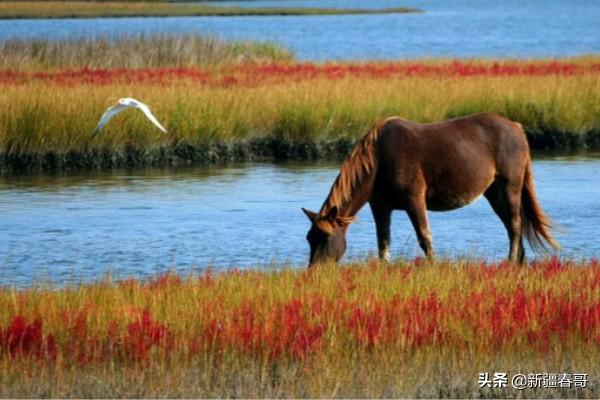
[281, 110]
[37, 116]
[137, 51]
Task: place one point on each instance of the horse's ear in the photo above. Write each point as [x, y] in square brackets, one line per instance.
[311, 215]
[332, 215]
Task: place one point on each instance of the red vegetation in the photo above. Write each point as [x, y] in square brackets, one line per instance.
[482, 317]
[252, 75]
[26, 339]
[145, 334]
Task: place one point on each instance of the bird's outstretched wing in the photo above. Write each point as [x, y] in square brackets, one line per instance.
[122, 105]
[150, 116]
[108, 114]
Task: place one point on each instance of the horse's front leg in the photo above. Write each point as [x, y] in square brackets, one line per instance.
[382, 216]
[417, 212]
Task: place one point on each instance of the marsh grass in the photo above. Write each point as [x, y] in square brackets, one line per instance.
[140, 51]
[409, 329]
[112, 9]
[47, 125]
[247, 108]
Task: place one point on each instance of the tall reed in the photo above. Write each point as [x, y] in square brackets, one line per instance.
[281, 110]
[137, 51]
[37, 117]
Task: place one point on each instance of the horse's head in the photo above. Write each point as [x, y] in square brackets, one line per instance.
[326, 236]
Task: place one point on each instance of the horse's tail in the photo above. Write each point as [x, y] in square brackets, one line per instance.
[536, 224]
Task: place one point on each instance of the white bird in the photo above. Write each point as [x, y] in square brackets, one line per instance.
[121, 105]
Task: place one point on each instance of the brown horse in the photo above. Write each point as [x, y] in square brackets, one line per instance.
[403, 165]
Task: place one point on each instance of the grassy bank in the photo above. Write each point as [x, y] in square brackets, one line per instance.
[412, 329]
[92, 9]
[138, 51]
[280, 111]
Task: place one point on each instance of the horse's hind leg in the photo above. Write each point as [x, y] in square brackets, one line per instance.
[382, 216]
[505, 199]
[417, 212]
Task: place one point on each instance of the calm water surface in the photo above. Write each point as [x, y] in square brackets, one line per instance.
[448, 28]
[79, 226]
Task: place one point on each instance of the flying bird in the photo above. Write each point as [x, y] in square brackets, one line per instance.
[121, 105]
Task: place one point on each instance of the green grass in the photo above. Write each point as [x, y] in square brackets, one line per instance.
[74, 9]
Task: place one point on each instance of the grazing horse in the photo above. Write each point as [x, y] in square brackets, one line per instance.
[403, 165]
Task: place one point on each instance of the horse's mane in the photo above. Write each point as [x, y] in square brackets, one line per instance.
[356, 166]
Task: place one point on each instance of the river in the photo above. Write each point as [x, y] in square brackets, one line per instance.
[75, 227]
[447, 28]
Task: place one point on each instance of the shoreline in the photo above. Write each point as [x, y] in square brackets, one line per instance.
[266, 149]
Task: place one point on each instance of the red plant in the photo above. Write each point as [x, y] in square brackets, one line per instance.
[253, 75]
[290, 331]
[164, 280]
[143, 335]
[27, 339]
[492, 313]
